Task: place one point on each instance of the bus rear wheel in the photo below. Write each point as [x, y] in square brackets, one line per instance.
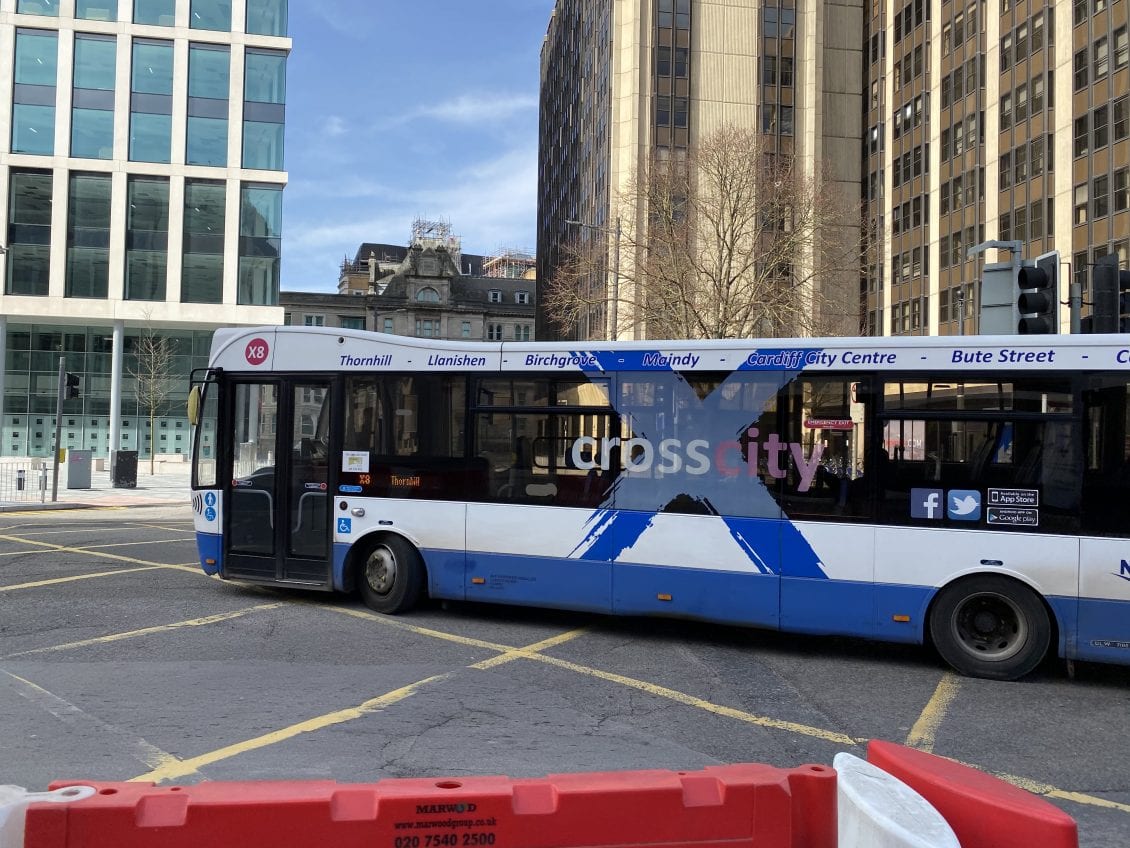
[990, 626]
[391, 575]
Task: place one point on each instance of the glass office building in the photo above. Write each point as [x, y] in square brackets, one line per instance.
[141, 184]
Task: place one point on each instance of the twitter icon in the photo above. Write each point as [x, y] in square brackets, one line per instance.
[963, 505]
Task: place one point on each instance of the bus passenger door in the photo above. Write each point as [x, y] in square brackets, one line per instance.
[277, 515]
[306, 534]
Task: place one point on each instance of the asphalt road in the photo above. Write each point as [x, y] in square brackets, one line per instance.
[119, 659]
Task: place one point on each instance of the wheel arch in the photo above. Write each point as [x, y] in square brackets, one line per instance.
[1058, 630]
[360, 549]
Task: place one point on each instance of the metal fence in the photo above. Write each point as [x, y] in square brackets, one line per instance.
[27, 480]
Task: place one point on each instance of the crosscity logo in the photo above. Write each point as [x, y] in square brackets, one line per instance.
[927, 503]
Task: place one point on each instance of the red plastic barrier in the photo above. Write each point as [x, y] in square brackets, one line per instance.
[984, 811]
[738, 806]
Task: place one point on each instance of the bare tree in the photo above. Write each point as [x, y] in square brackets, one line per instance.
[726, 241]
[154, 376]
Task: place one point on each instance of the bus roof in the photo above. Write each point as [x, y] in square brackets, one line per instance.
[323, 349]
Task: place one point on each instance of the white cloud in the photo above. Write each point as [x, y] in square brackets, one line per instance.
[490, 204]
[335, 126]
[474, 109]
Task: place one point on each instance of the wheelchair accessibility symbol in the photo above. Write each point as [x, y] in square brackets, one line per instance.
[345, 525]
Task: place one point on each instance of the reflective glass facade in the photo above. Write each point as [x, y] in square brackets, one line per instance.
[264, 109]
[96, 10]
[92, 112]
[202, 272]
[210, 14]
[88, 236]
[147, 238]
[260, 243]
[208, 82]
[154, 12]
[151, 101]
[87, 220]
[266, 17]
[33, 96]
[28, 261]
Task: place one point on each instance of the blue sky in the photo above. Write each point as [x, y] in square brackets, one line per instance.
[398, 110]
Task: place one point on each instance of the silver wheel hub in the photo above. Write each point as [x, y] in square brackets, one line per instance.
[380, 570]
[990, 626]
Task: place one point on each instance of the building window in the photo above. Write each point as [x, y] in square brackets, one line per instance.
[88, 236]
[1102, 57]
[264, 93]
[1082, 136]
[388, 325]
[92, 99]
[314, 320]
[521, 332]
[1122, 190]
[465, 330]
[210, 14]
[1081, 69]
[1121, 49]
[33, 96]
[1121, 118]
[427, 328]
[27, 263]
[147, 238]
[154, 12]
[208, 82]
[522, 297]
[202, 269]
[1100, 127]
[1101, 196]
[260, 230]
[96, 10]
[494, 332]
[427, 295]
[151, 102]
[494, 296]
[266, 17]
[1081, 204]
[351, 322]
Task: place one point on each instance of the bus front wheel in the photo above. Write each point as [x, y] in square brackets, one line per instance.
[990, 626]
[391, 575]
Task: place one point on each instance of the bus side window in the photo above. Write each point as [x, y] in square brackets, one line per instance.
[1106, 470]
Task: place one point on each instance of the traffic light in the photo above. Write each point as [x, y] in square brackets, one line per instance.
[1038, 297]
[72, 389]
[1112, 297]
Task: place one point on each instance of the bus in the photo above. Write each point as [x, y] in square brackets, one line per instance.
[971, 493]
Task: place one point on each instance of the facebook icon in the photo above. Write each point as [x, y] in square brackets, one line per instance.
[927, 503]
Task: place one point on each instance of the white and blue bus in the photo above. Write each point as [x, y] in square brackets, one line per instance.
[969, 492]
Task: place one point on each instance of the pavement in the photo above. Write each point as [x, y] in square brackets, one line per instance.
[167, 486]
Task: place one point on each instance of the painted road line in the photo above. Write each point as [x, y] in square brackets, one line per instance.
[68, 549]
[37, 583]
[922, 735]
[149, 631]
[128, 544]
[388, 621]
[529, 651]
[184, 768]
[90, 727]
[643, 686]
[56, 580]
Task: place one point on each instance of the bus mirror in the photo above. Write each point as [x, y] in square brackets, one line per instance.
[194, 406]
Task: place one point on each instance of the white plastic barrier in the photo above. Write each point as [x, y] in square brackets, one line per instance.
[877, 810]
[14, 802]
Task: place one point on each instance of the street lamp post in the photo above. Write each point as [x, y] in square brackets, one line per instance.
[613, 323]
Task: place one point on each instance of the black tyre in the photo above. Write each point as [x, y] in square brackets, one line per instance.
[991, 627]
[390, 575]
